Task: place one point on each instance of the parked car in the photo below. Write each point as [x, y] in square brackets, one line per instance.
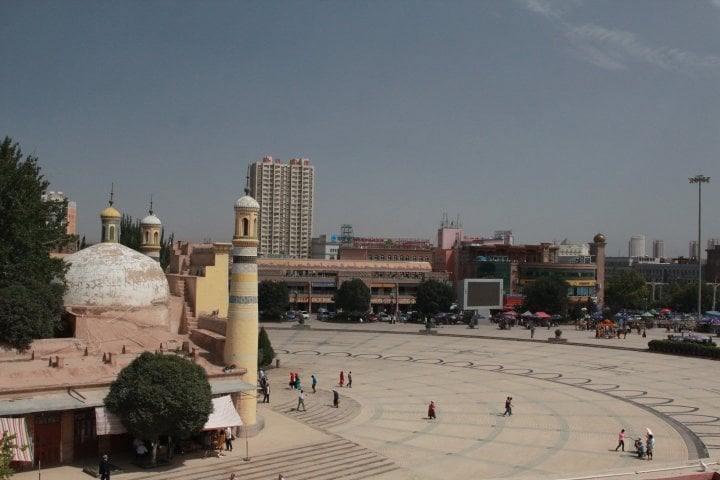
[373, 318]
[290, 315]
[305, 315]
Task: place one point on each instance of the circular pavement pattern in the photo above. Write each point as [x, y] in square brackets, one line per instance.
[570, 402]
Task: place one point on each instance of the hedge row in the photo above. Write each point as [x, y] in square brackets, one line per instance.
[685, 348]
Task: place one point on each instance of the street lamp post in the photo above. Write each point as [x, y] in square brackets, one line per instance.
[699, 179]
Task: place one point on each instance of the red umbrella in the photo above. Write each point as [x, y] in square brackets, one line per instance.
[664, 311]
[542, 315]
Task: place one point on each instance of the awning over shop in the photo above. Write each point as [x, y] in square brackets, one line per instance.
[17, 426]
[107, 423]
[223, 415]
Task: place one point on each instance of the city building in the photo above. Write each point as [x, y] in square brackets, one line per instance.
[693, 249]
[387, 249]
[712, 267]
[312, 283]
[636, 246]
[522, 265]
[285, 193]
[70, 221]
[325, 248]
[450, 234]
[655, 270]
[658, 249]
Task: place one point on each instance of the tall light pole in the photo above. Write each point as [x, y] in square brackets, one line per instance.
[699, 179]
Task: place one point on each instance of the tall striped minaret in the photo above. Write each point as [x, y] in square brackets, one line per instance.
[241, 336]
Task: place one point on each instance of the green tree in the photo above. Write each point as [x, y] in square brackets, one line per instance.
[626, 290]
[683, 297]
[165, 249]
[161, 395]
[31, 283]
[130, 232]
[547, 295]
[272, 299]
[434, 296]
[7, 444]
[265, 349]
[353, 296]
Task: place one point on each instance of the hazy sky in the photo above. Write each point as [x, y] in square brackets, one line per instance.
[555, 119]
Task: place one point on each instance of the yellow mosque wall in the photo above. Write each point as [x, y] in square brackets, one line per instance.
[212, 287]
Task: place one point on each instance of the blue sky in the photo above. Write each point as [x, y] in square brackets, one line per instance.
[555, 119]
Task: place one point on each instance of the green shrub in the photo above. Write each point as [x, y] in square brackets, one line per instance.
[708, 350]
[265, 350]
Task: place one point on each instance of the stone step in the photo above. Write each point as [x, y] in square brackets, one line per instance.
[338, 458]
[320, 411]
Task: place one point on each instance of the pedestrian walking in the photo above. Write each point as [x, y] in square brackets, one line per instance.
[229, 437]
[532, 330]
[431, 410]
[233, 476]
[292, 380]
[314, 382]
[266, 393]
[621, 440]
[336, 398]
[342, 378]
[298, 386]
[349, 380]
[104, 468]
[508, 406]
[301, 401]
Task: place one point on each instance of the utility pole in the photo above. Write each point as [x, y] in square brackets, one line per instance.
[699, 179]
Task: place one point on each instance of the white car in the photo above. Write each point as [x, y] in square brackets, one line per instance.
[305, 315]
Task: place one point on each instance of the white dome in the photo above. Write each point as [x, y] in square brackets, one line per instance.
[247, 202]
[113, 275]
[151, 220]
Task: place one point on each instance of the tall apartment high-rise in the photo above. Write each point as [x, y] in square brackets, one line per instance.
[658, 249]
[285, 192]
[636, 247]
[693, 249]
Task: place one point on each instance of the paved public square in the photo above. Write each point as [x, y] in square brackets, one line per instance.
[570, 402]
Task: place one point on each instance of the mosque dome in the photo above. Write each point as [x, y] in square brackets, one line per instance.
[112, 275]
[599, 238]
[110, 212]
[247, 202]
[151, 220]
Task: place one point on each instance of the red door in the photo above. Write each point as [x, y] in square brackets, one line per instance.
[47, 439]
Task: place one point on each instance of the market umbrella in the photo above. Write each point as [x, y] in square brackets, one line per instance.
[542, 315]
[528, 313]
[646, 314]
[664, 311]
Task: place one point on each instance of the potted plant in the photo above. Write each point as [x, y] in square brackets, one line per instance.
[558, 333]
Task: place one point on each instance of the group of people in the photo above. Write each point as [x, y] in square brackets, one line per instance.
[218, 441]
[341, 382]
[643, 449]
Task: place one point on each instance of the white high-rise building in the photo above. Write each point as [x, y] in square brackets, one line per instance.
[693, 249]
[636, 247]
[285, 192]
[658, 249]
